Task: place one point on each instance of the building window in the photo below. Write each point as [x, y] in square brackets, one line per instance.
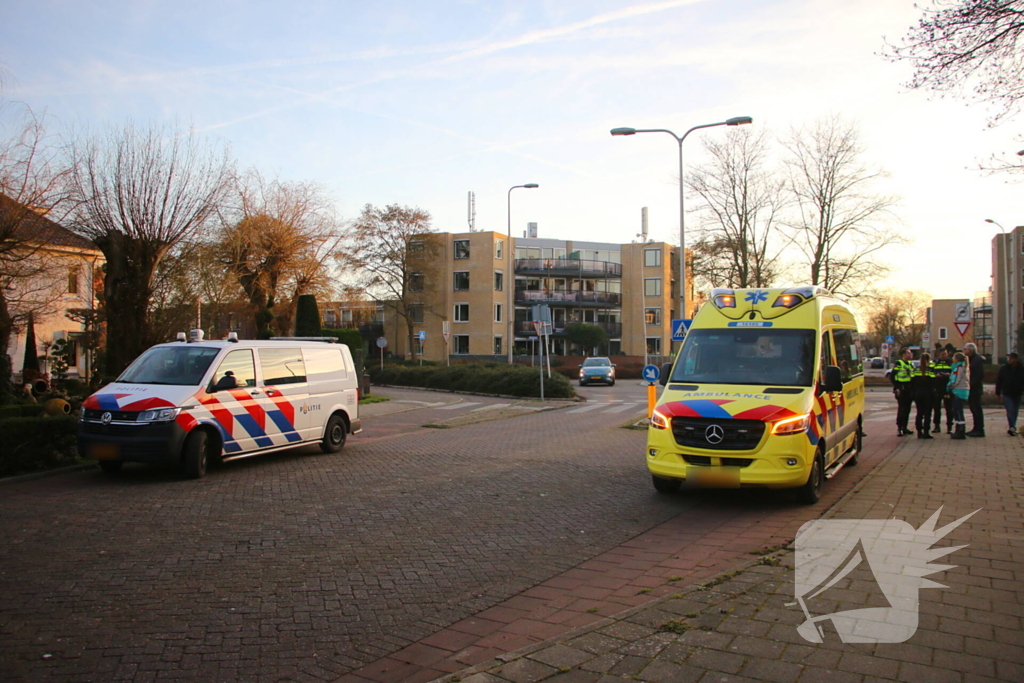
[652, 286]
[416, 313]
[416, 246]
[497, 313]
[654, 346]
[73, 280]
[652, 316]
[1022, 278]
[346, 315]
[943, 333]
[497, 346]
[499, 249]
[461, 280]
[652, 258]
[462, 313]
[330, 318]
[461, 346]
[416, 282]
[461, 248]
[499, 281]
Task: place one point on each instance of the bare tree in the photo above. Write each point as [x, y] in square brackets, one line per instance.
[740, 242]
[279, 242]
[840, 223]
[33, 195]
[391, 252]
[896, 313]
[969, 43]
[141, 192]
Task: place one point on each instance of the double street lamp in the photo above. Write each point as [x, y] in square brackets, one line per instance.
[734, 121]
[511, 279]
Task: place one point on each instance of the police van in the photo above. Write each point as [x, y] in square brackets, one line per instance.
[193, 401]
[767, 391]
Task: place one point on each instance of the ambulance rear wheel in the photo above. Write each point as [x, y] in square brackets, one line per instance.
[334, 435]
[858, 446]
[664, 484]
[810, 493]
[195, 454]
[111, 466]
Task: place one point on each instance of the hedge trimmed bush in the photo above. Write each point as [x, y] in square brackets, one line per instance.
[484, 378]
[21, 410]
[31, 444]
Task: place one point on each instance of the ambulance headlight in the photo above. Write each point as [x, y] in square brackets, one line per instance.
[159, 415]
[792, 425]
[660, 421]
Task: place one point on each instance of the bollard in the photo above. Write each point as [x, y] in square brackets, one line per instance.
[652, 398]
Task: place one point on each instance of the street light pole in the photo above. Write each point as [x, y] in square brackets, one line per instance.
[510, 283]
[1010, 253]
[734, 121]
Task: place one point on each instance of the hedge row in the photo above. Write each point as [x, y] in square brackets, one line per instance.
[485, 378]
[21, 410]
[30, 444]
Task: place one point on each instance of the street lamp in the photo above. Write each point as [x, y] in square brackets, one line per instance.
[1010, 252]
[511, 280]
[734, 121]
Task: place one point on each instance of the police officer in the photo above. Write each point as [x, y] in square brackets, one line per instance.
[922, 386]
[900, 378]
[942, 367]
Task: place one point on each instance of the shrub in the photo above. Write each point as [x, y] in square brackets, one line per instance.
[21, 410]
[307, 316]
[489, 378]
[31, 444]
[348, 336]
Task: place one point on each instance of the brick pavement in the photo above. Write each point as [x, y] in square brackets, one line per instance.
[741, 626]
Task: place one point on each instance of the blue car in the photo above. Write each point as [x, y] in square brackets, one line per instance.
[597, 371]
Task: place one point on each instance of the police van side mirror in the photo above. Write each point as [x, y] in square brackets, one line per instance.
[666, 370]
[833, 380]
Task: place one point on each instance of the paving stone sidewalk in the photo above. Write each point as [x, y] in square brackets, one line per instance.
[742, 625]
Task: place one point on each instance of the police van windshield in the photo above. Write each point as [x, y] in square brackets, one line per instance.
[179, 365]
[747, 356]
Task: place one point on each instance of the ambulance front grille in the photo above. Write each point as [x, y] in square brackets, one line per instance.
[717, 434]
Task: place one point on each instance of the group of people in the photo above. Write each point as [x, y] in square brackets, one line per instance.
[949, 383]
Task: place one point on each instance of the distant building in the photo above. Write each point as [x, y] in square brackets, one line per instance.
[941, 324]
[1007, 297]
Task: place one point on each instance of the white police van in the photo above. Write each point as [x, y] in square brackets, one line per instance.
[189, 402]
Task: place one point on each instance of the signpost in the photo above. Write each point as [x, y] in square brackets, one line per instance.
[446, 333]
[962, 327]
[650, 374]
[381, 343]
[679, 328]
[926, 338]
[422, 336]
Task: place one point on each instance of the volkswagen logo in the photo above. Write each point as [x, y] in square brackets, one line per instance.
[714, 434]
[105, 418]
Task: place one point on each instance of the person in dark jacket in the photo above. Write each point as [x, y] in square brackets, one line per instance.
[942, 399]
[922, 386]
[1010, 385]
[976, 374]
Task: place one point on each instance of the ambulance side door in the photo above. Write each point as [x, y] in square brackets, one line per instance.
[851, 403]
[826, 415]
[283, 381]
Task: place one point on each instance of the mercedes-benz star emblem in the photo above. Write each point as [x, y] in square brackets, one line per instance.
[105, 418]
[714, 434]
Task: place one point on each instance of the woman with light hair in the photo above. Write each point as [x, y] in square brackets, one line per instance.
[959, 387]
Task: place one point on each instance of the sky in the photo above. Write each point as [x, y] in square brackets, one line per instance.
[419, 103]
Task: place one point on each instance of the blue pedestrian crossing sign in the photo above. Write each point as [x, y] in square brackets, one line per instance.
[679, 328]
[890, 339]
[651, 373]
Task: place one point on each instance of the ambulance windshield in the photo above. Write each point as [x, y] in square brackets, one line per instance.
[180, 365]
[761, 356]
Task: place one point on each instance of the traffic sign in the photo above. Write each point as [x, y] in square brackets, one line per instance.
[679, 328]
[890, 339]
[382, 342]
[926, 338]
[446, 330]
[962, 327]
[651, 373]
[962, 312]
[422, 336]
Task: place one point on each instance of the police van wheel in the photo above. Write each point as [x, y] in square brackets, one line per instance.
[334, 435]
[111, 466]
[810, 492]
[196, 452]
[664, 484]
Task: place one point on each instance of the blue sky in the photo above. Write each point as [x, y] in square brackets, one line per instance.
[420, 102]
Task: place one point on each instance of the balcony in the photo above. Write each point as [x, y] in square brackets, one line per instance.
[567, 297]
[523, 328]
[568, 268]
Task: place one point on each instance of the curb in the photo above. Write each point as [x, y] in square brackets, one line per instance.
[18, 478]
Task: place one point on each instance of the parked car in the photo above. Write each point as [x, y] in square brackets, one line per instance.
[597, 370]
[876, 363]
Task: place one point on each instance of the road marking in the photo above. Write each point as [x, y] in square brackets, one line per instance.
[490, 407]
[457, 406]
[588, 408]
[623, 408]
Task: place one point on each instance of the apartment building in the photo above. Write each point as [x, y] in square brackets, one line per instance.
[943, 315]
[485, 287]
[1007, 296]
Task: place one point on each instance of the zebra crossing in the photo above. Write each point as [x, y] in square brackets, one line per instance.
[611, 407]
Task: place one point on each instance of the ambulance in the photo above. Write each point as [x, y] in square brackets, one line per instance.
[190, 402]
[767, 391]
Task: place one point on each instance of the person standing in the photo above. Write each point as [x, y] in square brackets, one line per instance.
[976, 379]
[922, 386]
[900, 377]
[942, 399]
[959, 389]
[1010, 385]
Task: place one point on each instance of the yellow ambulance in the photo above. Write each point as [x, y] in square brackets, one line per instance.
[767, 391]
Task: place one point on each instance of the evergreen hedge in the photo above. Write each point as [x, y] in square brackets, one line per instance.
[484, 378]
[31, 444]
[307, 316]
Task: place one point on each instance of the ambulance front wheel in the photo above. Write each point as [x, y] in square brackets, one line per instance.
[196, 453]
[664, 484]
[810, 493]
[334, 435]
